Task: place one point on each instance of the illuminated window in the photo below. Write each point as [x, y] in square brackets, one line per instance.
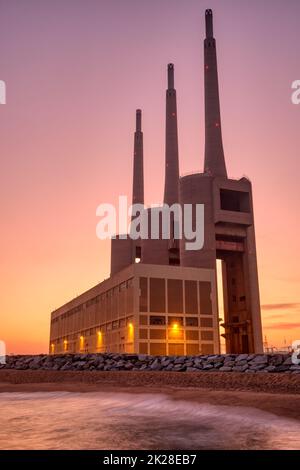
[175, 321]
[138, 254]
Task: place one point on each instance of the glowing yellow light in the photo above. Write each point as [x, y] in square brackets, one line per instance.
[99, 339]
[52, 348]
[65, 345]
[81, 338]
[175, 326]
[130, 331]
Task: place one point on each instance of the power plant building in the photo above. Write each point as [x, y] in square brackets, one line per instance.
[161, 298]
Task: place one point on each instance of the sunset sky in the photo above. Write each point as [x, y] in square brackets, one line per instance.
[75, 72]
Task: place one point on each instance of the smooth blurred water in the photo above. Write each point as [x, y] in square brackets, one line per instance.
[64, 420]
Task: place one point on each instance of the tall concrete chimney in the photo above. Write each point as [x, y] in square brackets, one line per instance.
[171, 193]
[214, 162]
[138, 164]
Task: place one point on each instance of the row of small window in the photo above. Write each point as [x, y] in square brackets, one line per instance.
[175, 349]
[108, 294]
[177, 290]
[205, 322]
[190, 335]
[103, 328]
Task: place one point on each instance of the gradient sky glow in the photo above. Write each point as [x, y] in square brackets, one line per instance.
[75, 72]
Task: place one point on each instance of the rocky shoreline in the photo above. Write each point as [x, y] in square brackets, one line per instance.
[243, 363]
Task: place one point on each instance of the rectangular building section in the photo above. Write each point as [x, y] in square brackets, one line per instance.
[146, 309]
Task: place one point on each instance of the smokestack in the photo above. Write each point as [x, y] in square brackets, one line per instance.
[171, 193]
[138, 164]
[214, 162]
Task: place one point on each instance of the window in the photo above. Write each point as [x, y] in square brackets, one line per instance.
[175, 296]
[157, 295]
[206, 322]
[155, 320]
[191, 321]
[129, 296]
[138, 254]
[143, 294]
[207, 335]
[192, 335]
[143, 334]
[174, 260]
[158, 349]
[205, 300]
[192, 349]
[157, 334]
[143, 348]
[143, 320]
[176, 349]
[175, 320]
[207, 349]
[237, 201]
[191, 301]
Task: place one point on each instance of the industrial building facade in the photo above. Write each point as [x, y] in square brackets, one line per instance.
[161, 298]
[144, 308]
